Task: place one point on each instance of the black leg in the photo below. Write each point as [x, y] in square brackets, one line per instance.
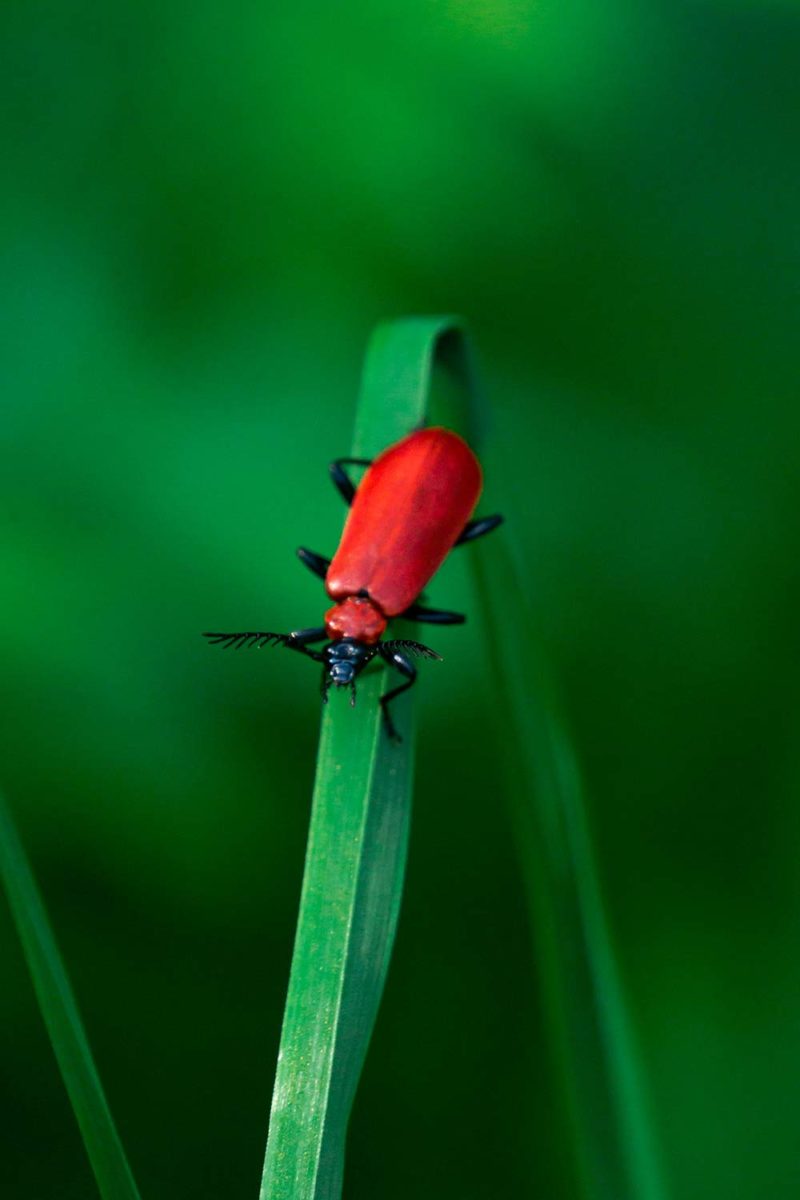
[432, 616]
[314, 562]
[315, 634]
[478, 527]
[398, 660]
[341, 480]
[301, 640]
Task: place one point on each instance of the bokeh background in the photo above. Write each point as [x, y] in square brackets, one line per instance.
[205, 211]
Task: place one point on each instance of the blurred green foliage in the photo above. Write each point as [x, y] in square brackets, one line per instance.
[205, 212]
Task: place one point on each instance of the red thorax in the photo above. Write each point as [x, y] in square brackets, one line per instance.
[355, 617]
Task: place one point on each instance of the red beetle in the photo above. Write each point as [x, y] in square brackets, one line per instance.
[412, 506]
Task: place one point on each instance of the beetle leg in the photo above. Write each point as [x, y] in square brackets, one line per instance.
[308, 635]
[433, 616]
[315, 562]
[301, 640]
[341, 480]
[478, 527]
[405, 667]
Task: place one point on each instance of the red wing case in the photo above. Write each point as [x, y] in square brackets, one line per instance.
[408, 511]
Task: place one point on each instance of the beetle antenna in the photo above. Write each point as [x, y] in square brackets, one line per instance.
[325, 683]
[353, 694]
[403, 644]
[226, 640]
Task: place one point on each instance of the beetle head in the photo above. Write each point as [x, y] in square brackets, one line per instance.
[344, 660]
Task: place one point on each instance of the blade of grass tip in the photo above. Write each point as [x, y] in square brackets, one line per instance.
[357, 844]
[63, 1022]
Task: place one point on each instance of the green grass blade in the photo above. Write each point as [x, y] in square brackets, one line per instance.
[594, 1045]
[600, 1068]
[356, 849]
[63, 1021]
[418, 369]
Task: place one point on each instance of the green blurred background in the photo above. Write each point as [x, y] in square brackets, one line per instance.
[205, 212]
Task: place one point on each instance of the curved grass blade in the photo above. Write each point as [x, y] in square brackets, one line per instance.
[356, 848]
[601, 1074]
[60, 1012]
